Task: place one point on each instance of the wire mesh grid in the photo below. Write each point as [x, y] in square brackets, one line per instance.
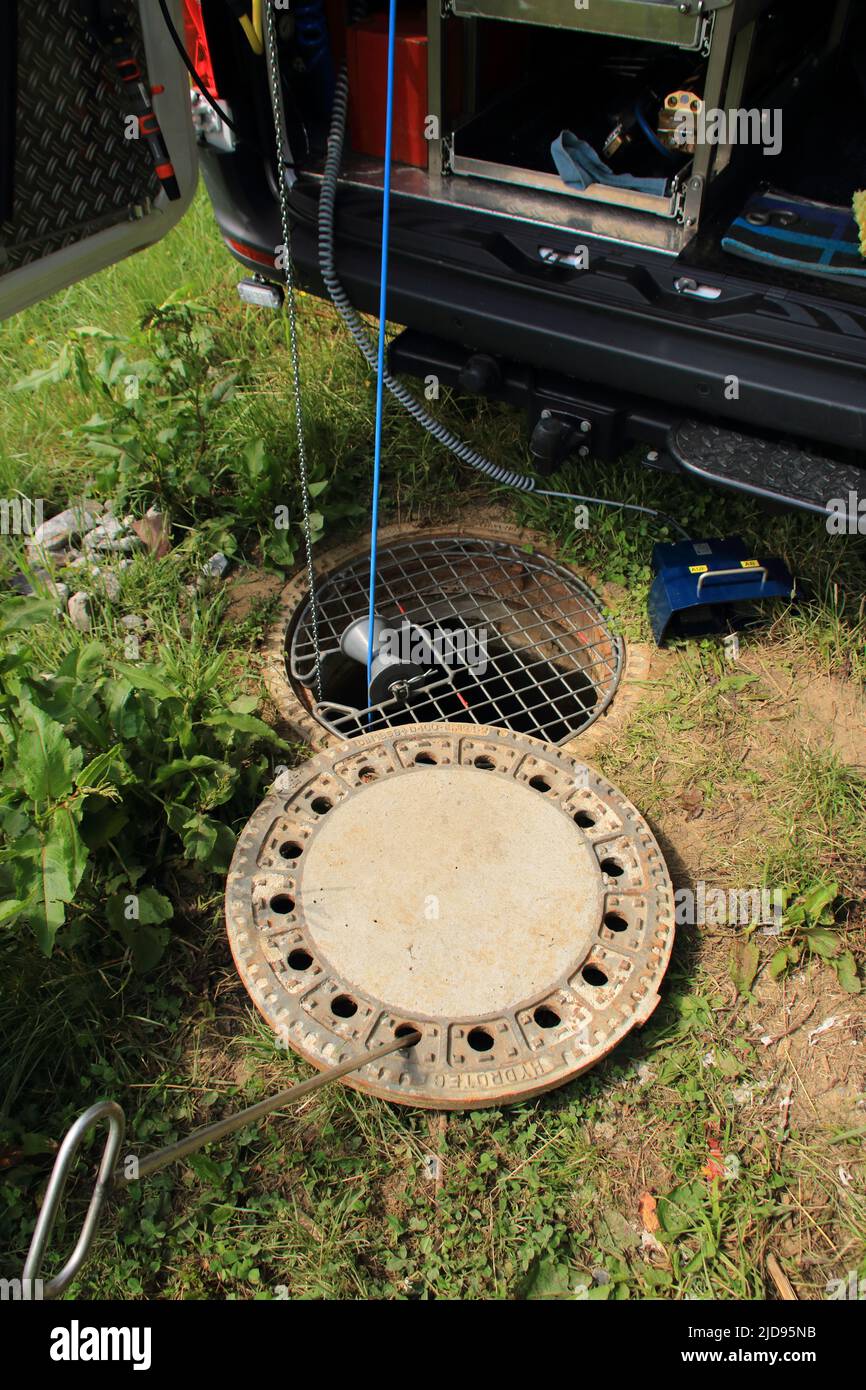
[543, 660]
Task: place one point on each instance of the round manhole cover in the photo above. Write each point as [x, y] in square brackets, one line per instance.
[517, 641]
[490, 890]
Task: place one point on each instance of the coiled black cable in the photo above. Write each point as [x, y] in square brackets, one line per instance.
[352, 319]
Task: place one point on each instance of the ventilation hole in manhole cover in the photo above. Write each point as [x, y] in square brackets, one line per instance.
[519, 642]
[299, 960]
[407, 1030]
[614, 922]
[539, 784]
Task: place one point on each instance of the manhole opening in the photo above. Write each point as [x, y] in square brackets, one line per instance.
[525, 647]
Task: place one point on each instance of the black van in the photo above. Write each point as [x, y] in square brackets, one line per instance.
[631, 218]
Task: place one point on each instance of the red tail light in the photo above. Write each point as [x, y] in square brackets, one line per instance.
[197, 45]
[252, 253]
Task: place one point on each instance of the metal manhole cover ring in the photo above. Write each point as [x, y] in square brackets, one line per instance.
[550, 666]
[489, 889]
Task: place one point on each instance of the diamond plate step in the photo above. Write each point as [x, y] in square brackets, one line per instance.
[766, 468]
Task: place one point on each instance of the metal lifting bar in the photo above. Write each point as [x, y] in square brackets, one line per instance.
[110, 1174]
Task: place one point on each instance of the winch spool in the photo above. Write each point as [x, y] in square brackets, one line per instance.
[487, 889]
[393, 676]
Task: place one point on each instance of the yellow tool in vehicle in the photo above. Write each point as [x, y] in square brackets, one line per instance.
[860, 218]
[677, 121]
[250, 23]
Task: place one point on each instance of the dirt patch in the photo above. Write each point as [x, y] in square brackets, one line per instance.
[827, 713]
[718, 843]
[249, 587]
[810, 1032]
[834, 713]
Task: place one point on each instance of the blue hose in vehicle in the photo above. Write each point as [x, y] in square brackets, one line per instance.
[651, 135]
[311, 35]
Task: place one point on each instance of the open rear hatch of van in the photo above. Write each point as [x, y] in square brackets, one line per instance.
[97, 150]
[632, 218]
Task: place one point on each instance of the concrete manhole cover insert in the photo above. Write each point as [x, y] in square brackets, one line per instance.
[489, 889]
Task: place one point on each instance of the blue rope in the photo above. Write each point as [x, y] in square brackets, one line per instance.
[380, 366]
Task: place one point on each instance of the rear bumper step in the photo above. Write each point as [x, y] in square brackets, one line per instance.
[604, 423]
[773, 470]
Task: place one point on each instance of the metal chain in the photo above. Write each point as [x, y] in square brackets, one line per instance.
[273, 62]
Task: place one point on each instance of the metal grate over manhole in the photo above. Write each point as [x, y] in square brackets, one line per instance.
[491, 891]
[549, 662]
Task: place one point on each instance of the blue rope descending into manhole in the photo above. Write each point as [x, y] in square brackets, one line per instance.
[380, 364]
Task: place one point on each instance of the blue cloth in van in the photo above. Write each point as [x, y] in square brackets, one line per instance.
[578, 165]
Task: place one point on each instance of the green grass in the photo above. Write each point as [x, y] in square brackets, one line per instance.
[539, 1200]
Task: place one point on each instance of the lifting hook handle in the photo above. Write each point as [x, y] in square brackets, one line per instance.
[103, 1110]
